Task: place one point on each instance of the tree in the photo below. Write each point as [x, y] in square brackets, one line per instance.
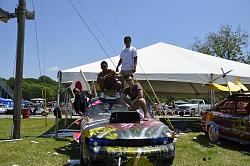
[226, 43]
[32, 88]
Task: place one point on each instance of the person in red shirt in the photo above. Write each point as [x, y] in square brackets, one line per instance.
[133, 97]
[108, 79]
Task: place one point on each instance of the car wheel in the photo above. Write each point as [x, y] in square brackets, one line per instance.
[213, 133]
[181, 113]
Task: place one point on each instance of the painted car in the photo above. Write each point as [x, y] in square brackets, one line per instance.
[112, 134]
[229, 119]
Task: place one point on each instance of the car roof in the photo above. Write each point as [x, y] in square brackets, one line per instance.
[237, 95]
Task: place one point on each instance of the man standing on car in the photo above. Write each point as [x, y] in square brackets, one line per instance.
[132, 96]
[128, 59]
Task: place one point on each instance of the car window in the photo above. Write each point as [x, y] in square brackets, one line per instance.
[2, 106]
[243, 108]
[227, 107]
[104, 109]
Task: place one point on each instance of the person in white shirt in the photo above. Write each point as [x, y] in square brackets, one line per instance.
[128, 60]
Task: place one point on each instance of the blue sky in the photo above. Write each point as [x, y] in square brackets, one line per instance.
[64, 41]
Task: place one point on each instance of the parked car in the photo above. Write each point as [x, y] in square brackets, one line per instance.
[3, 109]
[229, 119]
[193, 107]
[111, 134]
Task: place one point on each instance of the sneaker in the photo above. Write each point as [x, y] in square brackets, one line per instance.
[102, 95]
[117, 95]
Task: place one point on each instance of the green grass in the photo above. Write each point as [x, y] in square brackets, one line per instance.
[25, 152]
[189, 151]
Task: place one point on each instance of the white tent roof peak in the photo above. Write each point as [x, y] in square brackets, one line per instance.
[166, 58]
[164, 63]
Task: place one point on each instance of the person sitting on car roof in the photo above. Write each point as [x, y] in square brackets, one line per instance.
[132, 96]
[107, 79]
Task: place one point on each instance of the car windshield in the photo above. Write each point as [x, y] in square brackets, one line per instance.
[102, 110]
[193, 101]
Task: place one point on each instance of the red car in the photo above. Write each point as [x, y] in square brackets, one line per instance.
[229, 119]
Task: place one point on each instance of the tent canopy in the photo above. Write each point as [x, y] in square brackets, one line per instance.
[171, 69]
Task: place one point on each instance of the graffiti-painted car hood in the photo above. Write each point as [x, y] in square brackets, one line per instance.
[149, 129]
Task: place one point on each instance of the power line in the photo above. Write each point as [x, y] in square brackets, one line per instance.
[37, 48]
[105, 38]
[110, 10]
[42, 40]
[92, 33]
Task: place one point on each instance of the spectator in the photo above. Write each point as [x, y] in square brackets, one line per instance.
[81, 102]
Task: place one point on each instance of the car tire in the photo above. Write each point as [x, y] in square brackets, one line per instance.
[213, 133]
[181, 113]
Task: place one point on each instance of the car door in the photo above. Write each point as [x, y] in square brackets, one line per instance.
[223, 116]
[241, 129]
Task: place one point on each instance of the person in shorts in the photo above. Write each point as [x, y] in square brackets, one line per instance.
[133, 96]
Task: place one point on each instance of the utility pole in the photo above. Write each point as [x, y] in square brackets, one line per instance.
[21, 11]
[22, 14]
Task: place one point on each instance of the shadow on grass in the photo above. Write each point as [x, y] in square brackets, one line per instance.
[62, 125]
[223, 143]
[184, 124]
[72, 148]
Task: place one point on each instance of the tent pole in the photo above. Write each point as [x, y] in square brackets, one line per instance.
[197, 93]
[59, 76]
[212, 97]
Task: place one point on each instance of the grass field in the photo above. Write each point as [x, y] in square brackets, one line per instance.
[192, 148]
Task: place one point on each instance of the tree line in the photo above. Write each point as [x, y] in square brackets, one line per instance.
[42, 87]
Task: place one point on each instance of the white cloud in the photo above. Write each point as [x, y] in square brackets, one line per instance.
[55, 68]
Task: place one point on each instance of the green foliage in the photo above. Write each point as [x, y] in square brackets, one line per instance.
[226, 43]
[32, 88]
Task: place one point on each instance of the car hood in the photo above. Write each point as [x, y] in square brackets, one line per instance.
[149, 129]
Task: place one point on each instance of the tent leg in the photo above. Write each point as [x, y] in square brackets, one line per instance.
[59, 76]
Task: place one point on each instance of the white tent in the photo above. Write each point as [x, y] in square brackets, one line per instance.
[171, 69]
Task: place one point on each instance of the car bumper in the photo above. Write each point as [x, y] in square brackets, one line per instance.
[185, 112]
[112, 153]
